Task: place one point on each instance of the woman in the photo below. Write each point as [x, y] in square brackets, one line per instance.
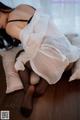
[47, 51]
[16, 19]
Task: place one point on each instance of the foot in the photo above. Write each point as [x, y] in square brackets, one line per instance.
[41, 88]
[27, 105]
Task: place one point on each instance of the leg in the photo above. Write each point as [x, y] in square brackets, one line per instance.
[36, 90]
[25, 77]
[41, 87]
[27, 103]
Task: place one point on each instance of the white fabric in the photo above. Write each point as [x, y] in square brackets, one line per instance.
[75, 40]
[47, 49]
[75, 72]
[12, 78]
[21, 60]
[19, 65]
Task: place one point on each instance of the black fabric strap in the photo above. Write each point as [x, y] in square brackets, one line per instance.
[17, 20]
[28, 21]
[32, 7]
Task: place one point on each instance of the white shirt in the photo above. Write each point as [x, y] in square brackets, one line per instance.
[47, 49]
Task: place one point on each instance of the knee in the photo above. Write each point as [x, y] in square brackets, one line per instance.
[34, 79]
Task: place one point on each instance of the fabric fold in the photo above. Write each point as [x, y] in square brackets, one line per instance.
[47, 49]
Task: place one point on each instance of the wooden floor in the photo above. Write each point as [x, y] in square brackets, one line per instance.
[60, 102]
